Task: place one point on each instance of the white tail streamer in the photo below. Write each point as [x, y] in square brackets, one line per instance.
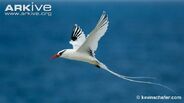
[131, 79]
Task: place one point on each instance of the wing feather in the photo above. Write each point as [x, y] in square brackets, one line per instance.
[77, 37]
[92, 39]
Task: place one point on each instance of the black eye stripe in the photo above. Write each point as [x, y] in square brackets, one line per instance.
[60, 53]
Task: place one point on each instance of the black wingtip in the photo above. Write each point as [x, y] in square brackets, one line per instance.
[77, 31]
[74, 38]
[105, 14]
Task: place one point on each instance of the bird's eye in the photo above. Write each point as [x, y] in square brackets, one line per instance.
[60, 53]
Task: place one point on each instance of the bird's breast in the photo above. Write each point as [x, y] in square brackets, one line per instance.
[79, 57]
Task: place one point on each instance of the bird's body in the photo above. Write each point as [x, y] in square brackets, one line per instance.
[79, 56]
[84, 49]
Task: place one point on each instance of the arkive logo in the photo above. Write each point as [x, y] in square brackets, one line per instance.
[31, 9]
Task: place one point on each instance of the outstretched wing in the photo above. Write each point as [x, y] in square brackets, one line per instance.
[92, 39]
[77, 37]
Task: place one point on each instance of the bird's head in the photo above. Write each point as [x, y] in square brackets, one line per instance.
[59, 54]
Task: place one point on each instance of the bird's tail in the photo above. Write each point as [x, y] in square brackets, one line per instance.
[132, 79]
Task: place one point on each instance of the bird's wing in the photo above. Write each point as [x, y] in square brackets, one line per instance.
[92, 39]
[77, 37]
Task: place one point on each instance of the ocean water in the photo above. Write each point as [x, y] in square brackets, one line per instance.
[143, 39]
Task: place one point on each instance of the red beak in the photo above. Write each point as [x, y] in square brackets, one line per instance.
[55, 56]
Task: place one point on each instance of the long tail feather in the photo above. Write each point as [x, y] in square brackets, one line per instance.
[131, 79]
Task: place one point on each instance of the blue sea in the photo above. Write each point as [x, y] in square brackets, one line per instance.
[143, 39]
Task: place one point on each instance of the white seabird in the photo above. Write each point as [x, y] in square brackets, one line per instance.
[84, 49]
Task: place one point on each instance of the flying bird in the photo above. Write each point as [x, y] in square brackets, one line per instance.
[84, 49]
